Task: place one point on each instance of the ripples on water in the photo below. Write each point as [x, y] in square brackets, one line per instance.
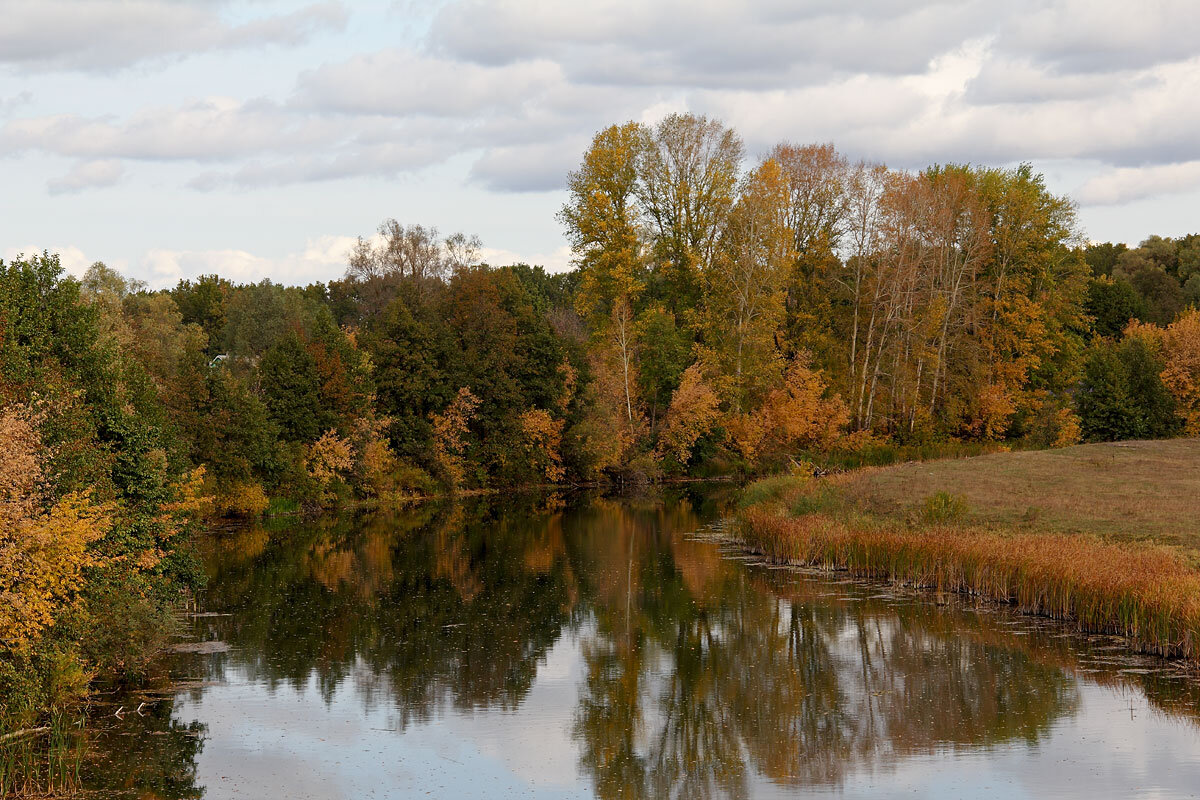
[599, 648]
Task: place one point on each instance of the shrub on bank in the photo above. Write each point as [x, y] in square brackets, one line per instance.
[943, 507]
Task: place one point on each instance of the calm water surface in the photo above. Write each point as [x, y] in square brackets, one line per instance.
[599, 648]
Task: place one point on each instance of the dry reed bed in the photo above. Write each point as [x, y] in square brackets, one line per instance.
[1145, 593]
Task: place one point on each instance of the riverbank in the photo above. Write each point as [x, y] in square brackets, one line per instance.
[1101, 535]
[284, 507]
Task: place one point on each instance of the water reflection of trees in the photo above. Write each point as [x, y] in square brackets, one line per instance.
[698, 673]
[148, 757]
[456, 607]
[694, 677]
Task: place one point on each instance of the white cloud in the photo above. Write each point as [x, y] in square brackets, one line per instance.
[87, 175]
[323, 258]
[110, 34]
[70, 257]
[402, 82]
[707, 43]
[1127, 184]
[10, 105]
[1090, 36]
[528, 168]
[212, 128]
[558, 260]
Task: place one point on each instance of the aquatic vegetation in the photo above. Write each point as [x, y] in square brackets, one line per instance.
[41, 761]
[1144, 592]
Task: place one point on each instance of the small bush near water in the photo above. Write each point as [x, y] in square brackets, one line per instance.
[771, 489]
[943, 507]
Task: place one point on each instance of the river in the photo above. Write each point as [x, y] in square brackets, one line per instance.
[541, 647]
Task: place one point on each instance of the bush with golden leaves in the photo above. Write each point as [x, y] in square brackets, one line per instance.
[694, 412]
[798, 415]
[542, 436]
[329, 459]
[241, 500]
[449, 435]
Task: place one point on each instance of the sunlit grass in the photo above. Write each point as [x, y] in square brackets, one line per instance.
[1123, 491]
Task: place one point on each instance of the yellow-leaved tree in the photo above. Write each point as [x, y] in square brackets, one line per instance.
[602, 219]
[543, 439]
[1179, 346]
[43, 541]
[329, 459]
[744, 286]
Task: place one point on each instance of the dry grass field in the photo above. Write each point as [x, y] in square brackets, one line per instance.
[1122, 491]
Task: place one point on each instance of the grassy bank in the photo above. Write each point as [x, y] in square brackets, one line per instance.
[1103, 535]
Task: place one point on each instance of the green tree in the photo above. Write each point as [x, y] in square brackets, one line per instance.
[1112, 304]
[238, 442]
[256, 317]
[665, 352]
[202, 302]
[291, 390]
[1102, 258]
[410, 347]
[1151, 270]
[1122, 396]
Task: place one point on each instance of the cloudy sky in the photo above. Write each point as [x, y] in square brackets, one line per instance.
[171, 138]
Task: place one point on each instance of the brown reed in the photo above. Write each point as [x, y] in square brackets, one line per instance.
[1144, 592]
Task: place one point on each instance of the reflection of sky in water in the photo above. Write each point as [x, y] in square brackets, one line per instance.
[291, 743]
[1099, 753]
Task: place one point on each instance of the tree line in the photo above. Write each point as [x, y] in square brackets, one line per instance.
[723, 315]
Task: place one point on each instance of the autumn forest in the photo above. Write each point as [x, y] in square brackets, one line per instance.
[726, 315]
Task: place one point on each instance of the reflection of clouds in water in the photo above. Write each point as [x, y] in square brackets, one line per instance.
[1097, 753]
[535, 742]
[299, 746]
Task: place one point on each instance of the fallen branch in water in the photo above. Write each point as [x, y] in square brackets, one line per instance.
[8, 737]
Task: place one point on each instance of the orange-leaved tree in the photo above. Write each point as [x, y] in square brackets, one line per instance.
[694, 412]
[449, 435]
[542, 436]
[799, 415]
[1179, 346]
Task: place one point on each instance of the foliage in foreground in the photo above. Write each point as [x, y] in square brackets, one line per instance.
[94, 501]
